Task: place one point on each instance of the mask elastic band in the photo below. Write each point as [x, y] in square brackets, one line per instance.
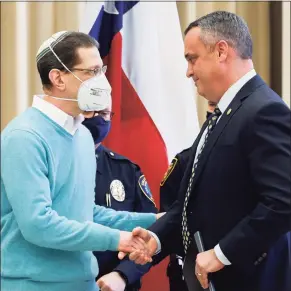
[64, 64]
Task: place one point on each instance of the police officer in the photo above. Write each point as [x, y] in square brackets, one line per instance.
[120, 185]
[169, 188]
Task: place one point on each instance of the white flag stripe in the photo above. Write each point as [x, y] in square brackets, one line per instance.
[91, 12]
[153, 60]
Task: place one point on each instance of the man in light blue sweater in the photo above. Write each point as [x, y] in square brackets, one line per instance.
[49, 222]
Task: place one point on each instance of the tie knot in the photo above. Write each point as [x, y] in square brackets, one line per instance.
[217, 112]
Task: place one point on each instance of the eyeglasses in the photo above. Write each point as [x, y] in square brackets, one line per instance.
[105, 114]
[93, 72]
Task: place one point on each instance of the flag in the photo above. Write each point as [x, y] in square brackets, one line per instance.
[154, 103]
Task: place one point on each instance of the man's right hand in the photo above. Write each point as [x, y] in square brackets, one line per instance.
[140, 256]
[131, 243]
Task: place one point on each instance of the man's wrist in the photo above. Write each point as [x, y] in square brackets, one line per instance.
[159, 247]
[122, 276]
[159, 215]
[220, 256]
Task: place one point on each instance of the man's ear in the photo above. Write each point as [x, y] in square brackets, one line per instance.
[222, 50]
[56, 79]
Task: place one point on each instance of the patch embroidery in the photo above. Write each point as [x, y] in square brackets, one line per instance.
[117, 190]
[169, 171]
[144, 186]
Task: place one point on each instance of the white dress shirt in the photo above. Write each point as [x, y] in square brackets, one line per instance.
[223, 104]
[68, 122]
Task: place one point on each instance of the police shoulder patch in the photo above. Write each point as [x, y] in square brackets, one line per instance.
[169, 171]
[144, 186]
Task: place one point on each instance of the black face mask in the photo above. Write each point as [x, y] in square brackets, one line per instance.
[98, 127]
[208, 113]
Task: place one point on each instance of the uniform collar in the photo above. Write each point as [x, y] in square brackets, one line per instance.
[66, 121]
[102, 151]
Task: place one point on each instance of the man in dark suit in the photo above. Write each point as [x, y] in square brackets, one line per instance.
[244, 149]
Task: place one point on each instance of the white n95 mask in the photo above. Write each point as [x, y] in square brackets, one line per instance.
[94, 94]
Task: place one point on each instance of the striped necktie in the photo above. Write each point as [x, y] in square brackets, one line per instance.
[185, 232]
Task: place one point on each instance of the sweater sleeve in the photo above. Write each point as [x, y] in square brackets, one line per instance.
[122, 220]
[24, 174]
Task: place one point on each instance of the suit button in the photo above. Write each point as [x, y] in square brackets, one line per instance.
[256, 263]
[264, 255]
[260, 259]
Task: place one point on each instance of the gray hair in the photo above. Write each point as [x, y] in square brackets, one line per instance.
[223, 25]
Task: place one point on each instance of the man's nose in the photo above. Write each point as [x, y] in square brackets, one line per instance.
[189, 72]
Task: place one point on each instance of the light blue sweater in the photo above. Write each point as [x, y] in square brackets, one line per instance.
[49, 221]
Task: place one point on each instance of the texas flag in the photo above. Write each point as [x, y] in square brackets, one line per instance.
[154, 103]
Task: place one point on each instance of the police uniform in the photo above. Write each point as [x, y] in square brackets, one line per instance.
[121, 185]
[169, 188]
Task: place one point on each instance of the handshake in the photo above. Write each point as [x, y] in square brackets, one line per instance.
[139, 244]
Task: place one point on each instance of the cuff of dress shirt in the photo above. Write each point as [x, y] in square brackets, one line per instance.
[157, 240]
[221, 257]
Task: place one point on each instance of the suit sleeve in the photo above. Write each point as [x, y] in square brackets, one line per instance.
[166, 228]
[268, 152]
[132, 271]
[145, 204]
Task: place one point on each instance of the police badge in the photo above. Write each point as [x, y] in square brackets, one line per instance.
[117, 190]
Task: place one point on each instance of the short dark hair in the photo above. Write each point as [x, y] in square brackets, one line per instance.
[66, 50]
[223, 25]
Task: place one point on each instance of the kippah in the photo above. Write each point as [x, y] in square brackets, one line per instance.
[50, 42]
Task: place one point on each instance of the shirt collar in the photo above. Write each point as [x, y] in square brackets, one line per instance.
[229, 95]
[68, 122]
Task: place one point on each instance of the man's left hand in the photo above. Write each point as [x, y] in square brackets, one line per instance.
[206, 262]
[111, 282]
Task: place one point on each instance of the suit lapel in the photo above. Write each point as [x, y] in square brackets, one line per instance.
[245, 91]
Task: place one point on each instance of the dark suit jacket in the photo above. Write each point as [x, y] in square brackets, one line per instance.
[169, 187]
[241, 193]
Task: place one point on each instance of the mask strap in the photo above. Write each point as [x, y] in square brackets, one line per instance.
[66, 99]
[64, 64]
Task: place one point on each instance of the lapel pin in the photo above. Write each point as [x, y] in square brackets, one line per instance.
[228, 111]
